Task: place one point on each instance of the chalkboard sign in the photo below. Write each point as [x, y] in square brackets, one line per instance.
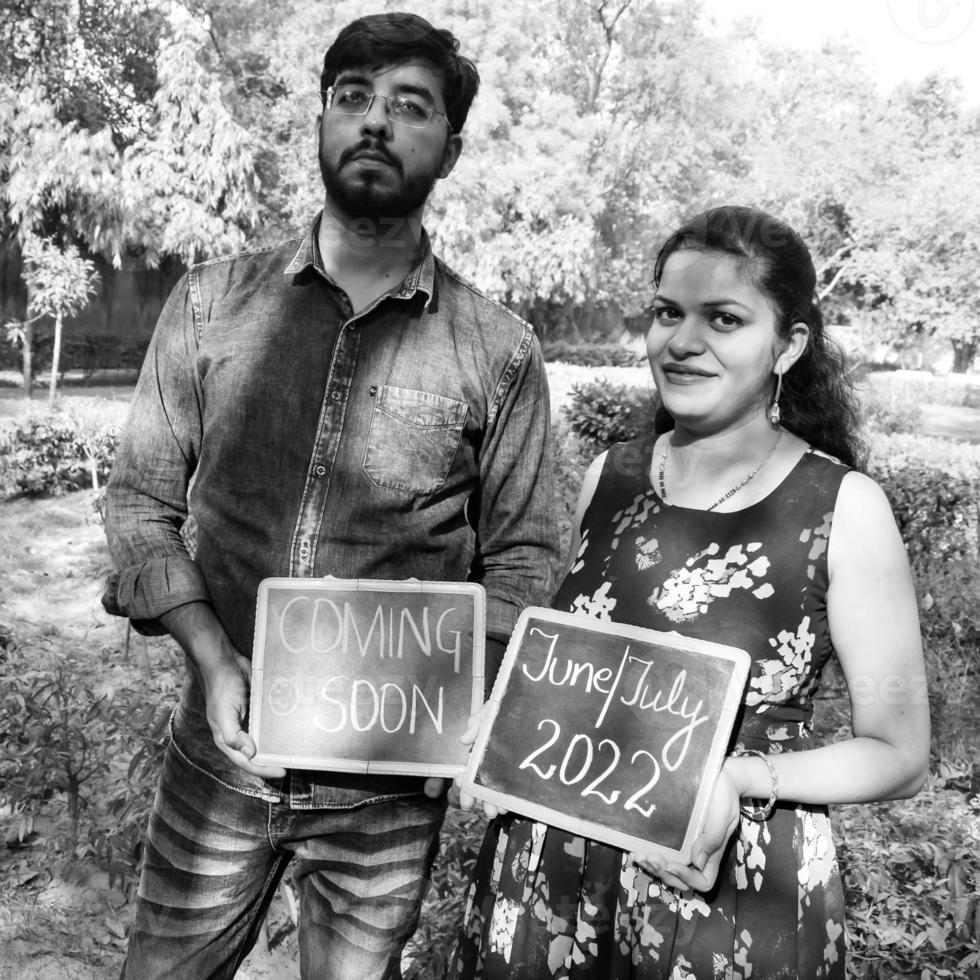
[361, 675]
[608, 731]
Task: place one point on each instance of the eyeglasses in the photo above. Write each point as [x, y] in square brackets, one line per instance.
[349, 100]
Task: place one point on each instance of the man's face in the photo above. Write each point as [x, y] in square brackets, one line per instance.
[372, 165]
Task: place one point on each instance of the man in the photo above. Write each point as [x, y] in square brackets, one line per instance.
[343, 406]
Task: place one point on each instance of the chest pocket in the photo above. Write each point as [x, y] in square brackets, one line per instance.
[413, 439]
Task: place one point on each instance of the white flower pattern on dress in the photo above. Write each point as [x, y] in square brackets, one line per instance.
[834, 932]
[647, 553]
[687, 592]
[750, 853]
[682, 970]
[720, 967]
[742, 969]
[599, 605]
[635, 515]
[816, 854]
[775, 681]
[503, 921]
[820, 536]
[583, 547]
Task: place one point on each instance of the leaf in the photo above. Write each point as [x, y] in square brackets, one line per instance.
[938, 936]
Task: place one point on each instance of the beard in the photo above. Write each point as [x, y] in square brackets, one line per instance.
[363, 196]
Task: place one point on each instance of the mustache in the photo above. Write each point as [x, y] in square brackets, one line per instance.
[372, 147]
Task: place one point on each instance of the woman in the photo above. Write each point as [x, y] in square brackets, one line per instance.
[750, 524]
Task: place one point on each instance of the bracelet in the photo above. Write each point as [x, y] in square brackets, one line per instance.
[755, 812]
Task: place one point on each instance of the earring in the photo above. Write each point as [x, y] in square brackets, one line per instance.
[774, 407]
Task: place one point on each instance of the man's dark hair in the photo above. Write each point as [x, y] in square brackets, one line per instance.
[380, 40]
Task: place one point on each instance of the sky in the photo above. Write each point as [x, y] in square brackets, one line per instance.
[903, 39]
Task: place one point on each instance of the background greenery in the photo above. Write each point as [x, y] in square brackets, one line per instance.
[142, 130]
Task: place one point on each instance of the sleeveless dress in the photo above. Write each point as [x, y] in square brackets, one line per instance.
[544, 903]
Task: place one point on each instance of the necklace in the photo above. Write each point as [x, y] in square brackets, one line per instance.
[731, 493]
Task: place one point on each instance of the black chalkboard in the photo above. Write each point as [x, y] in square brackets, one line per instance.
[611, 732]
[361, 675]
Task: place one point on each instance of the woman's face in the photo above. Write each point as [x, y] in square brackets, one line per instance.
[713, 342]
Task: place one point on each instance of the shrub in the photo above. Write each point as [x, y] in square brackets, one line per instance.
[54, 451]
[602, 414]
[594, 355]
[87, 353]
[432, 944]
[911, 877]
[936, 512]
[57, 735]
[950, 621]
[921, 387]
[572, 457]
[889, 410]
[64, 740]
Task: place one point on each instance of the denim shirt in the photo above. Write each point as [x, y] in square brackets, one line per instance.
[408, 440]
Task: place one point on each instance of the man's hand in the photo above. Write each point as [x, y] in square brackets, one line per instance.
[225, 675]
[226, 687]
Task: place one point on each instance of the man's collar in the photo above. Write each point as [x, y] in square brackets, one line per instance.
[421, 278]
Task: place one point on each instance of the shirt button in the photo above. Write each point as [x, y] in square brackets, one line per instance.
[335, 396]
[373, 389]
[351, 326]
[319, 470]
[304, 550]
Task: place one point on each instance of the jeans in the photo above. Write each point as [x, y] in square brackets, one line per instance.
[214, 858]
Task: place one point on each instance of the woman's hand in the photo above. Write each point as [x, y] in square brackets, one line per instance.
[457, 795]
[709, 846]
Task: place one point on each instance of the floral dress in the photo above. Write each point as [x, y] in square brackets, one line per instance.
[544, 903]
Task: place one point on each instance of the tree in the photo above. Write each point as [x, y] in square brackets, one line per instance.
[61, 283]
[188, 180]
[178, 180]
[93, 59]
[57, 181]
[919, 222]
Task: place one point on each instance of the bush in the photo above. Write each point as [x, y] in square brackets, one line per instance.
[63, 742]
[602, 414]
[911, 875]
[921, 387]
[432, 943]
[888, 410]
[950, 622]
[935, 511]
[572, 457]
[87, 353]
[594, 355]
[53, 451]
[57, 735]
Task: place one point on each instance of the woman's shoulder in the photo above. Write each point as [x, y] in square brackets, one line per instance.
[861, 496]
[821, 468]
[857, 491]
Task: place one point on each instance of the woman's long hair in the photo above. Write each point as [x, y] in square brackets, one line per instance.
[817, 401]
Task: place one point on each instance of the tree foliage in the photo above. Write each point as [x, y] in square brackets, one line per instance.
[107, 151]
[599, 126]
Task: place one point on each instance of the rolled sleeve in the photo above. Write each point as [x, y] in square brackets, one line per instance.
[517, 536]
[144, 592]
